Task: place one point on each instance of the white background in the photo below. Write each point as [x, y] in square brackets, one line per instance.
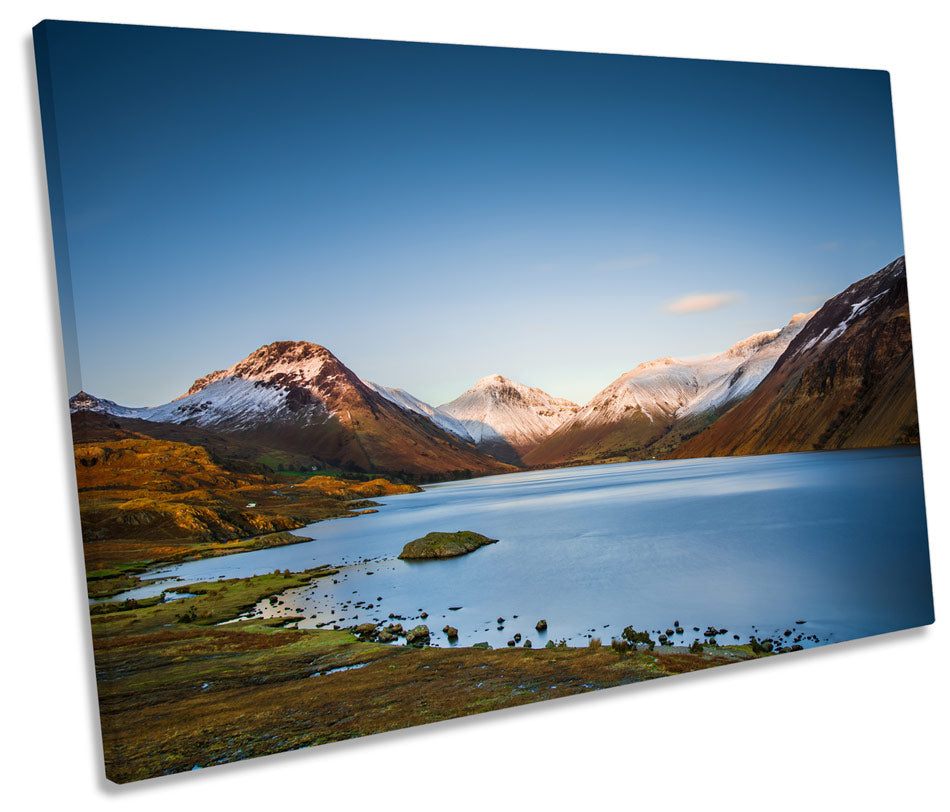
[858, 724]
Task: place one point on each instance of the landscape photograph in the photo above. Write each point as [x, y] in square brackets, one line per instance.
[412, 381]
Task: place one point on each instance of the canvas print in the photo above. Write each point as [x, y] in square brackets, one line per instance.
[411, 381]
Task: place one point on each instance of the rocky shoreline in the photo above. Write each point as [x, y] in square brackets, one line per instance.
[629, 640]
[199, 672]
[413, 628]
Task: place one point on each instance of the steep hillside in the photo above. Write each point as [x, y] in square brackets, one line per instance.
[846, 381]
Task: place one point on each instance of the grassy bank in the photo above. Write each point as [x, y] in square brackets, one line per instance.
[177, 691]
[146, 502]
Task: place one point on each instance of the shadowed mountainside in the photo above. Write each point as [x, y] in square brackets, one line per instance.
[846, 381]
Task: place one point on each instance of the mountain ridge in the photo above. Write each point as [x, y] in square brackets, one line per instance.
[299, 397]
[846, 381]
[638, 409]
[848, 366]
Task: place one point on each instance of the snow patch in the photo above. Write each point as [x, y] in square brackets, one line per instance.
[856, 310]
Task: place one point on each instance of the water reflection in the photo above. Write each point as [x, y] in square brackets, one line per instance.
[750, 544]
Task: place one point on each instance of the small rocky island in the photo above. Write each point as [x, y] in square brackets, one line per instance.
[444, 545]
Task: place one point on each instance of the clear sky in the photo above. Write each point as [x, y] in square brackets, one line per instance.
[434, 214]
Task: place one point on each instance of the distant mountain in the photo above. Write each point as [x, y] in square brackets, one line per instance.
[507, 419]
[299, 397]
[658, 402]
[841, 377]
[411, 403]
[845, 381]
[84, 402]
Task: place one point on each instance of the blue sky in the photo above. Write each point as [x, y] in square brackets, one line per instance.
[433, 214]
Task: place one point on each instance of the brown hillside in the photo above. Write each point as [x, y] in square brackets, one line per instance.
[846, 381]
[297, 402]
[629, 438]
[142, 499]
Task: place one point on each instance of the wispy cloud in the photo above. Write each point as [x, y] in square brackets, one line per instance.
[701, 302]
[831, 245]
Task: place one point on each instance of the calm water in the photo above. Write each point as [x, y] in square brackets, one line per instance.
[750, 544]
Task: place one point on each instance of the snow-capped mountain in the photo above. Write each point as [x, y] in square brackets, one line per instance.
[298, 396]
[641, 405]
[272, 381]
[411, 403]
[287, 378]
[721, 381]
[846, 380]
[839, 377]
[507, 418]
[670, 387]
[84, 402]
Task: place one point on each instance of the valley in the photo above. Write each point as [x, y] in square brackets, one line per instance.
[145, 502]
[838, 377]
[290, 435]
[217, 659]
[225, 589]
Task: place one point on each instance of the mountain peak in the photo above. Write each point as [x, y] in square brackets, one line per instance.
[288, 347]
[494, 380]
[800, 317]
[82, 401]
[845, 381]
[671, 388]
[280, 362]
[506, 417]
[501, 389]
[656, 363]
[749, 345]
[301, 355]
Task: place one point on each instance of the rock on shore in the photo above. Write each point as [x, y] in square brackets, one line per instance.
[418, 636]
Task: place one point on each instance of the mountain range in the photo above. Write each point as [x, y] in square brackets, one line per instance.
[845, 381]
[298, 398]
[637, 411]
[839, 377]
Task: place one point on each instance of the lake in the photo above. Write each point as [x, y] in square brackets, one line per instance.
[749, 544]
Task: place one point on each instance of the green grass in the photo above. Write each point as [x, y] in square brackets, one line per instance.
[117, 571]
[215, 601]
[174, 695]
